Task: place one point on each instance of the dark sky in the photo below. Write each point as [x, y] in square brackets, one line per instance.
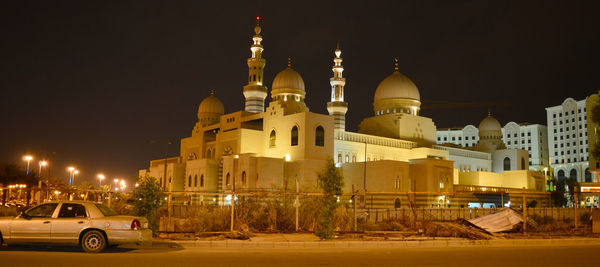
[97, 83]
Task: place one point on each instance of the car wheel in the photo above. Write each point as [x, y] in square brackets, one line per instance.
[93, 241]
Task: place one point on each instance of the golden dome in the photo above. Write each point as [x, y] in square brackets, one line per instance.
[288, 79]
[397, 86]
[490, 124]
[211, 105]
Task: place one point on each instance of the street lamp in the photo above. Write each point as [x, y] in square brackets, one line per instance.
[75, 172]
[42, 163]
[116, 180]
[101, 177]
[28, 159]
[70, 169]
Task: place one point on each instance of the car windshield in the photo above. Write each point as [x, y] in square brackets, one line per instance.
[106, 211]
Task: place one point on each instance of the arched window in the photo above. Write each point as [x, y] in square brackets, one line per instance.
[272, 139]
[244, 178]
[196, 180]
[294, 136]
[397, 203]
[212, 155]
[506, 164]
[208, 153]
[319, 136]
[573, 174]
[190, 181]
[522, 163]
[202, 180]
[340, 157]
[227, 179]
[347, 158]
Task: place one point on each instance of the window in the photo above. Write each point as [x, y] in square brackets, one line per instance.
[319, 136]
[227, 179]
[294, 140]
[196, 180]
[190, 181]
[522, 163]
[106, 211]
[272, 139]
[506, 164]
[347, 159]
[42, 211]
[202, 180]
[339, 157]
[72, 210]
[244, 178]
[353, 157]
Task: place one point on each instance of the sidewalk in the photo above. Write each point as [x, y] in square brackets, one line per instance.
[281, 241]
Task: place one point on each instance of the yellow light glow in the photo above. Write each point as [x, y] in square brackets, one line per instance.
[76, 172]
[116, 180]
[27, 158]
[101, 176]
[71, 169]
[43, 163]
[287, 157]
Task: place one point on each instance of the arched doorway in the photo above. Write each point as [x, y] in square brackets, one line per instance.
[397, 203]
[588, 175]
[560, 176]
[573, 174]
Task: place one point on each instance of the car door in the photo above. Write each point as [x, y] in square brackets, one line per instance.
[34, 225]
[71, 219]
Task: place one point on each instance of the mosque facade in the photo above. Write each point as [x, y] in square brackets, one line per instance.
[276, 146]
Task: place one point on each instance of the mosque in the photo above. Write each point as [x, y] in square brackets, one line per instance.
[284, 144]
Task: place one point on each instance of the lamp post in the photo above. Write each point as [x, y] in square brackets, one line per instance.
[28, 159]
[100, 178]
[42, 163]
[70, 169]
[74, 173]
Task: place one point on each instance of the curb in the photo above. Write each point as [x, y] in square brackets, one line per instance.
[387, 244]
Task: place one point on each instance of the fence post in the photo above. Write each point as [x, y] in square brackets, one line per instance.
[297, 203]
[575, 195]
[524, 212]
[354, 207]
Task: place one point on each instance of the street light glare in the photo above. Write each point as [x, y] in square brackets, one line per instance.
[71, 169]
[76, 172]
[43, 163]
[27, 158]
[101, 176]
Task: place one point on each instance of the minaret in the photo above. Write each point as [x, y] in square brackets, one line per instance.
[337, 107]
[255, 92]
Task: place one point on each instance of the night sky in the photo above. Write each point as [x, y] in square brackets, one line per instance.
[101, 84]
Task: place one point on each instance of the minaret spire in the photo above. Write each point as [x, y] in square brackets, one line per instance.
[255, 92]
[337, 107]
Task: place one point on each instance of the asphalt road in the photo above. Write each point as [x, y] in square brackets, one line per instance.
[164, 254]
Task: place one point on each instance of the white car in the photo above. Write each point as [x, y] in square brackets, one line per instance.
[91, 225]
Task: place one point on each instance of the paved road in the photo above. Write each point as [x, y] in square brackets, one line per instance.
[164, 254]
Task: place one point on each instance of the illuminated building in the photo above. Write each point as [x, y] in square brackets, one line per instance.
[271, 148]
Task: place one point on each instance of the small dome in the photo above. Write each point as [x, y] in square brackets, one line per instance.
[288, 79]
[490, 124]
[211, 104]
[397, 86]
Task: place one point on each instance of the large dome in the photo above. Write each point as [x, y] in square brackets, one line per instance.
[397, 86]
[211, 104]
[288, 79]
[490, 124]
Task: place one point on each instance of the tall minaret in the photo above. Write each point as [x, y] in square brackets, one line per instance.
[255, 92]
[337, 107]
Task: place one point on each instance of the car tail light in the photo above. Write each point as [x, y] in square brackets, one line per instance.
[136, 225]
